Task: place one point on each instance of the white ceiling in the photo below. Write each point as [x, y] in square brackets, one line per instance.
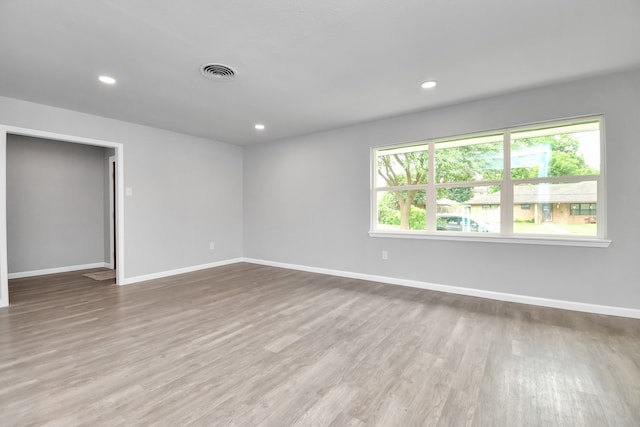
[302, 65]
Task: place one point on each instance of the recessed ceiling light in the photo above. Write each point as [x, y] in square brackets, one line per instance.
[429, 84]
[107, 80]
[259, 126]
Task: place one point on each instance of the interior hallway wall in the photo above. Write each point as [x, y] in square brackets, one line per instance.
[55, 204]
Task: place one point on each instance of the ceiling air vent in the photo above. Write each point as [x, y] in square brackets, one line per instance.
[217, 72]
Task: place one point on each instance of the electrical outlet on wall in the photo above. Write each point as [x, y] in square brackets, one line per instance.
[385, 255]
[212, 245]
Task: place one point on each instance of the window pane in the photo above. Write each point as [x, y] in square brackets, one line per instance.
[402, 166]
[471, 159]
[570, 150]
[556, 209]
[469, 209]
[401, 210]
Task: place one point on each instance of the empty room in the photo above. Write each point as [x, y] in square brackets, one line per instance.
[338, 213]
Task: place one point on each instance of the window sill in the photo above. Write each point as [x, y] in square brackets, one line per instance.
[494, 238]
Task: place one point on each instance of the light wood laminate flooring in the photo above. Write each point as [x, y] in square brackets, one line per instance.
[250, 345]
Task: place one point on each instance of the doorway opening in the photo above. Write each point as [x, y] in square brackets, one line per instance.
[116, 196]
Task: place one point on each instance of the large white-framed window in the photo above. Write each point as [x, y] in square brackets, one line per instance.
[528, 183]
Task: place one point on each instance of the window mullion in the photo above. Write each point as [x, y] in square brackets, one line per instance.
[506, 192]
[431, 197]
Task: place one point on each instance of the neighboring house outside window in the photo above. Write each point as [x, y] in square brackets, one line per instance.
[567, 202]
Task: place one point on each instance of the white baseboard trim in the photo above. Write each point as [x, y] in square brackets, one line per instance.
[55, 270]
[500, 296]
[160, 275]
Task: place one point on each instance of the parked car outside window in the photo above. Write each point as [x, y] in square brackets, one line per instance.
[461, 222]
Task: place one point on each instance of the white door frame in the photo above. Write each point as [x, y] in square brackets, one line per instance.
[112, 224]
[119, 149]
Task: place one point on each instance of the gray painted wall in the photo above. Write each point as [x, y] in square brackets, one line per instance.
[307, 200]
[55, 204]
[187, 191]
